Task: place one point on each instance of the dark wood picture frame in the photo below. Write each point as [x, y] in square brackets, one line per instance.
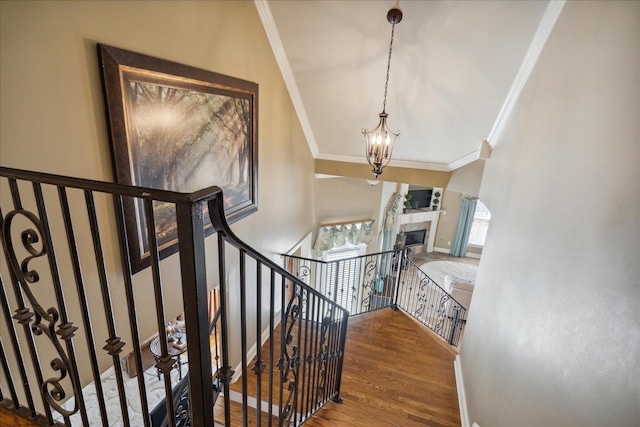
[178, 128]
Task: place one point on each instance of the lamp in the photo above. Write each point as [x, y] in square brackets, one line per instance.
[380, 139]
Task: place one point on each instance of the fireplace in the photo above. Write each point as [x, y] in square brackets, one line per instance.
[415, 237]
[423, 225]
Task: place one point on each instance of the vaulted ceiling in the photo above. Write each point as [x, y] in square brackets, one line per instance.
[454, 69]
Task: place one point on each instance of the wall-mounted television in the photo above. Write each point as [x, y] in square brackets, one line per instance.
[420, 199]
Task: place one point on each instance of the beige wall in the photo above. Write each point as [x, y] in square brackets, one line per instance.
[554, 329]
[467, 179]
[347, 199]
[421, 177]
[448, 221]
[52, 114]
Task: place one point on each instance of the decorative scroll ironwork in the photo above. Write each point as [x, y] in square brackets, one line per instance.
[290, 358]
[369, 277]
[324, 355]
[413, 290]
[436, 309]
[442, 311]
[303, 273]
[32, 262]
[42, 321]
[423, 296]
[426, 288]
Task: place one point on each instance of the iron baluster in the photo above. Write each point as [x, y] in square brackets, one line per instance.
[165, 362]
[308, 349]
[114, 343]
[243, 337]
[131, 307]
[80, 289]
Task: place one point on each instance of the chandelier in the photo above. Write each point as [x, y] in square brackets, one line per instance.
[380, 139]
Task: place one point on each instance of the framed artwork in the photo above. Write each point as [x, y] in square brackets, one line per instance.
[178, 128]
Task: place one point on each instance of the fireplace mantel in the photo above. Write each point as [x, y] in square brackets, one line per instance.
[420, 216]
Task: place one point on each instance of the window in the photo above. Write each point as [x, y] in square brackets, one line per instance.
[341, 274]
[480, 225]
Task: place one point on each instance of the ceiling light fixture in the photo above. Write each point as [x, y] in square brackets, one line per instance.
[380, 139]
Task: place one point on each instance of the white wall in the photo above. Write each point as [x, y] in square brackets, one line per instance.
[553, 331]
[467, 179]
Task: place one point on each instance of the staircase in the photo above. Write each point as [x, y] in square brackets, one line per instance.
[74, 307]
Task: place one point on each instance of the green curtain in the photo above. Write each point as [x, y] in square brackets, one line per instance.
[461, 238]
[390, 215]
[334, 236]
[388, 238]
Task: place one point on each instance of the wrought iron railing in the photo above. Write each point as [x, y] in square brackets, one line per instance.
[359, 284]
[422, 298]
[386, 279]
[68, 288]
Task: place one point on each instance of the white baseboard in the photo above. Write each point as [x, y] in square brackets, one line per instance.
[462, 397]
[252, 402]
[446, 251]
[254, 349]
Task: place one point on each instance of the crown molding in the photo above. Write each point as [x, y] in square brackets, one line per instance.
[285, 69]
[396, 163]
[464, 160]
[546, 25]
[547, 22]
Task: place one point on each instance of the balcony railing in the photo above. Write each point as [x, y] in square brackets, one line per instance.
[423, 299]
[386, 279]
[72, 311]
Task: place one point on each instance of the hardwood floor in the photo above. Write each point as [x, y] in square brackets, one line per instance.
[9, 418]
[395, 374]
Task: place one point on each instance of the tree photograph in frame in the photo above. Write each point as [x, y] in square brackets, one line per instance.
[178, 128]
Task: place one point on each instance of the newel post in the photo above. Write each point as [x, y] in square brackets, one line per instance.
[341, 351]
[400, 260]
[194, 293]
[456, 324]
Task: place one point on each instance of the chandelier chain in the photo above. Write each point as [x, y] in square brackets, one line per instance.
[386, 83]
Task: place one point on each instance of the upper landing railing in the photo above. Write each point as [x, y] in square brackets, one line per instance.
[386, 279]
[72, 309]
